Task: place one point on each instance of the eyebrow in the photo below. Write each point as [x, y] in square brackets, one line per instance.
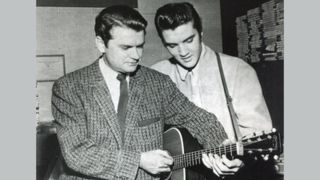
[185, 40]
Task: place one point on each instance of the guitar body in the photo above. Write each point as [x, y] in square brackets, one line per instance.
[187, 152]
[180, 141]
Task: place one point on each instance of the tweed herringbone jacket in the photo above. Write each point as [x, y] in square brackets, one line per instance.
[89, 134]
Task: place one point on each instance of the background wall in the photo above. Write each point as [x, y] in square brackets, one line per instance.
[69, 31]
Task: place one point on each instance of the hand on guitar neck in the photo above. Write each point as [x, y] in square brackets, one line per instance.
[221, 165]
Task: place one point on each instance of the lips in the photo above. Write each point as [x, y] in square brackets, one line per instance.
[133, 63]
[187, 59]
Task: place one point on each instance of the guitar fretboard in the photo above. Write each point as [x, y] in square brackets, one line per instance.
[194, 158]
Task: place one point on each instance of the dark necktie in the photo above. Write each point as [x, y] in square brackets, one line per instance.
[123, 101]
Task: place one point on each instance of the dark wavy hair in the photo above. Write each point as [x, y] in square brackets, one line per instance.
[118, 15]
[172, 15]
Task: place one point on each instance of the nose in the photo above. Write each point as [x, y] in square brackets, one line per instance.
[183, 52]
[135, 53]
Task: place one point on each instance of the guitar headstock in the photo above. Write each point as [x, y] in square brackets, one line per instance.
[264, 143]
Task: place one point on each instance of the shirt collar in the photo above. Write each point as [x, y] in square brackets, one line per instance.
[107, 70]
[183, 72]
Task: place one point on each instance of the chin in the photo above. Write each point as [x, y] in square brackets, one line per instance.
[131, 69]
[189, 65]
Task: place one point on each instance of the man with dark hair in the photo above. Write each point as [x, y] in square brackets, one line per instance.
[110, 115]
[195, 71]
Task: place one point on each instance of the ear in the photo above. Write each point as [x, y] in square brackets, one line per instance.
[100, 44]
[201, 35]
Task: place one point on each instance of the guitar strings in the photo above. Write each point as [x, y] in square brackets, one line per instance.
[193, 158]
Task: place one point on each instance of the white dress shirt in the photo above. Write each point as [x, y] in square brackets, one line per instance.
[189, 84]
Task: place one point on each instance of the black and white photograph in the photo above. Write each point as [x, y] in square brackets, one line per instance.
[159, 89]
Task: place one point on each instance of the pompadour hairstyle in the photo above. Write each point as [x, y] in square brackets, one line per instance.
[172, 15]
[118, 15]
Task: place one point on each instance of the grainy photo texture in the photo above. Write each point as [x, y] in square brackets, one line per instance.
[159, 89]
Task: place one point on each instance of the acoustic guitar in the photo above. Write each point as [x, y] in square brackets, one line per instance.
[186, 154]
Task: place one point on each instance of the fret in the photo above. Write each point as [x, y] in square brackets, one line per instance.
[192, 159]
[187, 161]
[199, 157]
[213, 151]
[230, 149]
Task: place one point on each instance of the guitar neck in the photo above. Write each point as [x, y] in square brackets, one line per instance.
[194, 158]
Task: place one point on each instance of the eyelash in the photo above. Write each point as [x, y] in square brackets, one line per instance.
[173, 46]
[189, 40]
[126, 48]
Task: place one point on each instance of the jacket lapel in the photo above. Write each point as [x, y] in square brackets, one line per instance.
[103, 98]
[136, 90]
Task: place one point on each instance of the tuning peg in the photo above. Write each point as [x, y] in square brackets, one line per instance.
[275, 157]
[274, 130]
[270, 149]
[266, 157]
